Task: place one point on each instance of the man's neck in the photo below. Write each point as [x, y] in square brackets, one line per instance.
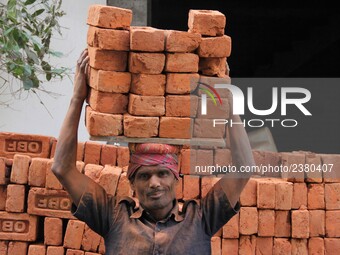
[160, 214]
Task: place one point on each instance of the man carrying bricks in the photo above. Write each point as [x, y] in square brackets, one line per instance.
[154, 225]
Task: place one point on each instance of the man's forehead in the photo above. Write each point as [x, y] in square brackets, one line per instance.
[152, 168]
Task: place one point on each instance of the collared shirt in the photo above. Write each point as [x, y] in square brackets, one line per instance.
[129, 230]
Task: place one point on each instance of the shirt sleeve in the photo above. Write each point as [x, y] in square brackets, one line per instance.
[95, 208]
[216, 209]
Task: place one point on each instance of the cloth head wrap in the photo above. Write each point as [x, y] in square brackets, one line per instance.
[147, 154]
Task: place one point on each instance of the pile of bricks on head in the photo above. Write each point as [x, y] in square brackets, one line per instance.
[293, 215]
[142, 79]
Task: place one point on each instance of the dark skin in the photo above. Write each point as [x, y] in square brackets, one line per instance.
[153, 185]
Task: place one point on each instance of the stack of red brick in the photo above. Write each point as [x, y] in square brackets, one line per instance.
[141, 77]
[297, 214]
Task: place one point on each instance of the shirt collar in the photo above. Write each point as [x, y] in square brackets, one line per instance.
[174, 212]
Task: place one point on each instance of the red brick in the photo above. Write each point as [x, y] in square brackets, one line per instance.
[204, 158]
[266, 226]
[74, 233]
[282, 246]
[314, 162]
[218, 47]
[264, 245]
[51, 203]
[109, 17]
[213, 66]
[181, 63]
[229, 246]
[186, 157]
[214, 111]
[266, 194]
[92, 253]
[93, 171]
[188, 106]
[17, 248]
[37, 172]
[124, 188]
[191, 187]
[103, 124]
[3, 179]
[316, 246]
[247, 245]
[181, 83]
[105, 102]
[316, 223]
[53, 231]
[108, 39]
[15, 198]
[207, 183]
[289, 160]
[30, 145]
[211, 81]
[206, 22]
[19, 173]
[107, 60]
[332, 246]
[108, 155]
[55, 250]
[136, 126]
[332, 196]
[146, 105]
[333, 223]
[299, 246]
[231, 229]
[147, 39]
[331, 167]
[90, 241]
[18, 227]
[3, 247]
[216, 245]
[316, 196]
[248, 220]
[204, 128]
[92, 152]
[74, 252]
[123, 156]
[110, 81]
[53, 147]
[299, 195]
[181, 41]
[248, 195]
[80, 165]
[283, 195]
[147, 63]
[148, 84]
[36, 249]
[109, 177]
[272, 159]
[179, 189]
[175, 127]
[51, 180]
[300, 224]
[282, 224]
[3, 197]
[222, 157]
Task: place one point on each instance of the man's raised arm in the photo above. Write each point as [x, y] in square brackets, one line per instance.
[64, 166]
[241, 156]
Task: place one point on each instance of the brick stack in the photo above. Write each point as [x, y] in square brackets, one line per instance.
[289, 215]
[141, 77]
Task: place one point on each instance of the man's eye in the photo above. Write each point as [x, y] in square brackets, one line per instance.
[143, 176]
[163, 173]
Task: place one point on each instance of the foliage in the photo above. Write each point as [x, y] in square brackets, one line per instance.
[26, 28]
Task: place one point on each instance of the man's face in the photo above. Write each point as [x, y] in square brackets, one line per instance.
[155, 187]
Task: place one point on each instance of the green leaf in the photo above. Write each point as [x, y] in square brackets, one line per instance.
[48, 76]
[56, 54]
[28, 83]
[11, 4]
[37, 13]
[32, 55]
[28, 2]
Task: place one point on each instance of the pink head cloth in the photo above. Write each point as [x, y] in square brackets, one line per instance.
[147, 154]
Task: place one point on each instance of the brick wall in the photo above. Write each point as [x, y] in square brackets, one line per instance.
[278, 215]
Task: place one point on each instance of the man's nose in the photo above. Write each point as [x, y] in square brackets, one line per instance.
[154, 181]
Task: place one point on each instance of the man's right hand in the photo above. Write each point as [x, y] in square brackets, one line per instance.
[80, 87]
